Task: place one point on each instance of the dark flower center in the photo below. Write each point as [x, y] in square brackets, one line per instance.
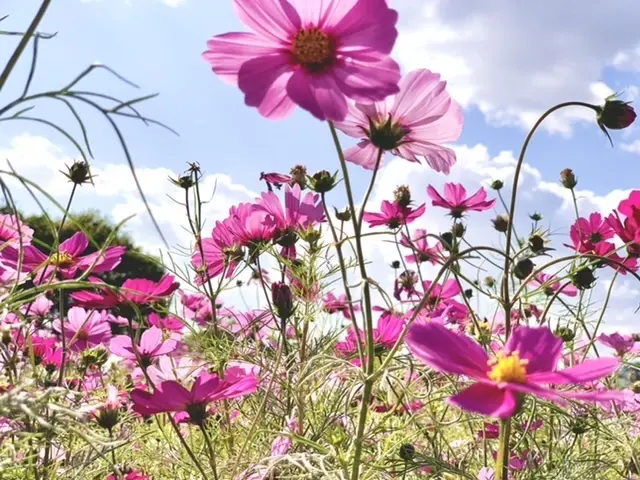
[197, 413]
[82, 335]
[314, 49]
[595, 237]
[386, 135]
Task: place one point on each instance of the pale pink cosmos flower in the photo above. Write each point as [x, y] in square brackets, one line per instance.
[412, 124]
[13, 232]
[84, 329]
[456, 201]
[622, 344]
[422, 251]
[40, 307]
[394, 215]
[332, 304]
[551, 285]
[312, 54]
[169, 322]
[177, 368]
[151, 347]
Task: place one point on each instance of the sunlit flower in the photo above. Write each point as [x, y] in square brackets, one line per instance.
[84, 329]
[312, 54]
[456, 201]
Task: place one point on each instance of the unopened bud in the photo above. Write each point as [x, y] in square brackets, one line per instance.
[565, 333]
[343, 216]
[497, 184]
[78, 173]
[395, 264]
[322, 181]
[536, 217]
[501, 223]
[568, 179]
[616, 114]
[407, 452]
[489, 282]
[282, 300]
[523, 268]
[458, 229]
[184, 181]
[536, 243]
[402, 196]
[583, 278]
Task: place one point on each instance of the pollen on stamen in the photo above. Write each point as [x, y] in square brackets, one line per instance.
[313, 49]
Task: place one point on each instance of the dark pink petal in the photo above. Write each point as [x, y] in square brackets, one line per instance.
[537, 345]
[276, 20]
[367, 27]
[446, 351]
[487, 399]
[75, 245]
[437, 199]
[587, 371]
[264, 82]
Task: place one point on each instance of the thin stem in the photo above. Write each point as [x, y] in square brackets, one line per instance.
[210, 450]
[24, 41]
[370, 360]
[512, 208]
[502, 460]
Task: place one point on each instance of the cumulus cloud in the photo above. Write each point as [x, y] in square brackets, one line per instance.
[513, 60]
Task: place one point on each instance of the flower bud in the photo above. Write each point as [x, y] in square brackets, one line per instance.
[635, 388]
[343, 216]
[616, 114]
[583, 278]
[468, 293]
[407, 452]
[497, 184]
[448, 241]
[78, 173]
[458, 229]
[489, 282]
[501, 223]
[535, 216]
[580, 425]
[184, 181]
[282, 300]
[322, 181]
[536, 243]
[636, 337]
[402, 196]
[565, 333]
[299, 176]
[568, 179]
[523, 268]
[395, 264]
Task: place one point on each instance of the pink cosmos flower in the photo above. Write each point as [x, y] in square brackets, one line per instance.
[171, 396]
[197, 307]
[385, 336]
[131, 475]
[256, 324]
[298, 213]
[441, 293]
[151, 346]
[13, 232]
[84, 329]
[490, 431]
[627, 230]
[412, 124]
[622, 344]
[68, 261]
[179, 369]
[275, 180]
[422, 251]
[551, 285]
[311, 54]
[220, 254]
[394, 215]
[585, 233]
[170, 322]
[40, 307]
[139, 291]
[526, 365]
[283, 443]
[486, 473]
[106, 414]
[627, 206]
[332, 304]
[455, 199]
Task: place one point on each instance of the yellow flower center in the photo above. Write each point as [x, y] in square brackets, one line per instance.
[508, 368]
[61, 259]
[313, 48]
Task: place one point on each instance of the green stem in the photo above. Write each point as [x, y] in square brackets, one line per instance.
[502, 460]
[24, 41]
[211, 452]
[512, 207]
[368, 317]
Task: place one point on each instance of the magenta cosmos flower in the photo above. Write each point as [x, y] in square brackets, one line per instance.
[422, 251]
[314, 54]
[84, 329]
[68, 261]
[332, 304]
[413, 124]
[385, 335]
[171, 396]
[455, 199]
[139, 291]
[150, 347]
[622, 344]
[551, 285]
[527, 364]
[393, 215]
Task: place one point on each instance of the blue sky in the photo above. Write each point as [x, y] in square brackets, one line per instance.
[505, 63]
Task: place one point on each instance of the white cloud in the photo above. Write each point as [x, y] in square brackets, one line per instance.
[632, 147]
[513, 60]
